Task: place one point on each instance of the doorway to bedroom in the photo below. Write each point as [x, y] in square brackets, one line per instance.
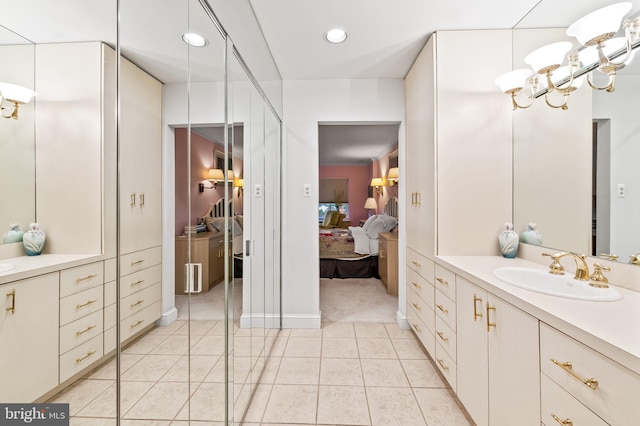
[357, 221]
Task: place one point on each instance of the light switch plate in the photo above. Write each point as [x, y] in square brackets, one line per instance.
[257, 190]
[622, 191]
[307, 190]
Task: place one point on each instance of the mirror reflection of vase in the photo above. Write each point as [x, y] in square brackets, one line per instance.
[33, 240]
[13, 235]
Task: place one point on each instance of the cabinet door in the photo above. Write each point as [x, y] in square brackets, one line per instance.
[29, 366]
[472, 358]
[514, 365]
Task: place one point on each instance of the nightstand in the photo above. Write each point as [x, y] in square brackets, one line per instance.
[388, 260]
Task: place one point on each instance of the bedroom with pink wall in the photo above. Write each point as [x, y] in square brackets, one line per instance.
[359, 178]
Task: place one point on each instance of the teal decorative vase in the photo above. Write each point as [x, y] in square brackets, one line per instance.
[13, 235]
[509, 240]
[531, 235]
[33, 240]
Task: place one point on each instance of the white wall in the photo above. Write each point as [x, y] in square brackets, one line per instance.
[306, 103]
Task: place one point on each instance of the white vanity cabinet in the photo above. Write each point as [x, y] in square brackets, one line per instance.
[29, 338]
[497, 358]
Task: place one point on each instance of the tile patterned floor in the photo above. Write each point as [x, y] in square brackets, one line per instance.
[342, 374]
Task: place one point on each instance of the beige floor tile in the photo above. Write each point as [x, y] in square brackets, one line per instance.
[339, 347]
[196, 423]
[217, 373]
[150, 368]
[162, 402]
[258, 404]
[197, 327]
[343, 405]
[105, 404]
[422, 373]
[175, 345]
[338, 329]
[81, 393]
[440, 407]
[241, 369]
[242, 332]
[217, 330]
[371, 330]
[201, 366]
[409, 349]
[306, 332]
[271, 369]
[383, 372]
[298, 371]
[145, 423]
[303, 347]
[145, 344]
[292, 404]
[395, 332]
[91, 421]
[209, 345]
[207, 404]
[340, 371]
[108, 370]
[169, 329]
[394, 407]
[242, 345]
[376, 348]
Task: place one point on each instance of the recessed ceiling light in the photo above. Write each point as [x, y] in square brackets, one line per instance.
[193, 39]
[335, 35]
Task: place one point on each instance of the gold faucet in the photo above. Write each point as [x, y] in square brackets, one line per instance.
[634, 259]
[582, 269]
[597, 279]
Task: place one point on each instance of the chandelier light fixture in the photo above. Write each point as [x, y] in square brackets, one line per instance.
[562, 68]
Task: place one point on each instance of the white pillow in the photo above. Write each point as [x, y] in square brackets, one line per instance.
[375, 228]
[390, 222]
[368, 223]
[360, 240]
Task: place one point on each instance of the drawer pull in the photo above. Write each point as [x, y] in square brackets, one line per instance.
[476, 299]
[441, 335]
[80, 333]
[444, 367]
[565, 422]
[441, 281]
[12, 295]
[416, 263]
[88, 277]
[415, 305]
[416, 285]
[568, 367]
[137, 324]
[416, 327]
[87, 303]
[137, 283]
[85, 357]
[490, 324]
[441, 307]
[137, 262]
[133, 305]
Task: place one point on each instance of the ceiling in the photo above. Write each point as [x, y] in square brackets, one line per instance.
[355, 144]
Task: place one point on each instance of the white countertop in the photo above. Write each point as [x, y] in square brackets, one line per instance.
[30, 266]
[612, 328]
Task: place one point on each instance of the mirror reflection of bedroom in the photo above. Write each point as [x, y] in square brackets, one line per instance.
[357, 221]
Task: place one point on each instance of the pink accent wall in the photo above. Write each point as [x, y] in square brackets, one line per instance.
[359, 179]
[202, 152]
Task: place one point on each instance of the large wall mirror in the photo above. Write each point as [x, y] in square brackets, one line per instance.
[569, 165]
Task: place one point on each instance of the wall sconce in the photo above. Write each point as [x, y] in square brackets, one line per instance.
[239, 183]
[377, 184]
[392, 176]
[16, 95]
[598, 48]
[213, 176]
[370, 205]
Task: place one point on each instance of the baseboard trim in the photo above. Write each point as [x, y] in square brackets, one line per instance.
[401, 319]
[167, 318]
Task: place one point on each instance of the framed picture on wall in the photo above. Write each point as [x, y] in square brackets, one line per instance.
[219, 159]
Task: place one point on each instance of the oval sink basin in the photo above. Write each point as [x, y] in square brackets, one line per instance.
[542, 281]
[4, 267]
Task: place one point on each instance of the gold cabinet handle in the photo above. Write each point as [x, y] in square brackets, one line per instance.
[441, 335]
[85, 357]
[137, 283]
[133, 305]
[89, 328]
[88, 277]
[416, 285]
[142, 200]
[490, 324]
[444, 367]
[417, 264]
[413, 199]
[568, 367]
[415, 305]
[565, 422]
[87, 303]
[476, 315]
[381, 254]
[12, 295]
[133, 199]
[441, 281]
[441, 307]
[416, 327]
[137, 324]
[418, 198]
[137, 262]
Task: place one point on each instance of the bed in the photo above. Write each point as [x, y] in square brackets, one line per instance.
[353, 252]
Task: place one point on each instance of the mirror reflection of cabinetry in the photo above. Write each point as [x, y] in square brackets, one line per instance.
[207, 250]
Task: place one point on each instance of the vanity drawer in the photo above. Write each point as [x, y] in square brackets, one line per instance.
[421, 286]
[74, 280]
[557, 402]
[140, 300]
[420, 264]
[422, 331]
[138, 321]
[140, 280]
[616, 397]
[78, 332]
[445, 281]
[109, 293]
[421, 309]
[80, 304]
[445, 309]
[446, 337]
[446, 365]
[80, 358]
[139, 260]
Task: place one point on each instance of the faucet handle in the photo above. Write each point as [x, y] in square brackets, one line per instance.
[555, 268]
[612, 257]
[634, 259]
[597, 279]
